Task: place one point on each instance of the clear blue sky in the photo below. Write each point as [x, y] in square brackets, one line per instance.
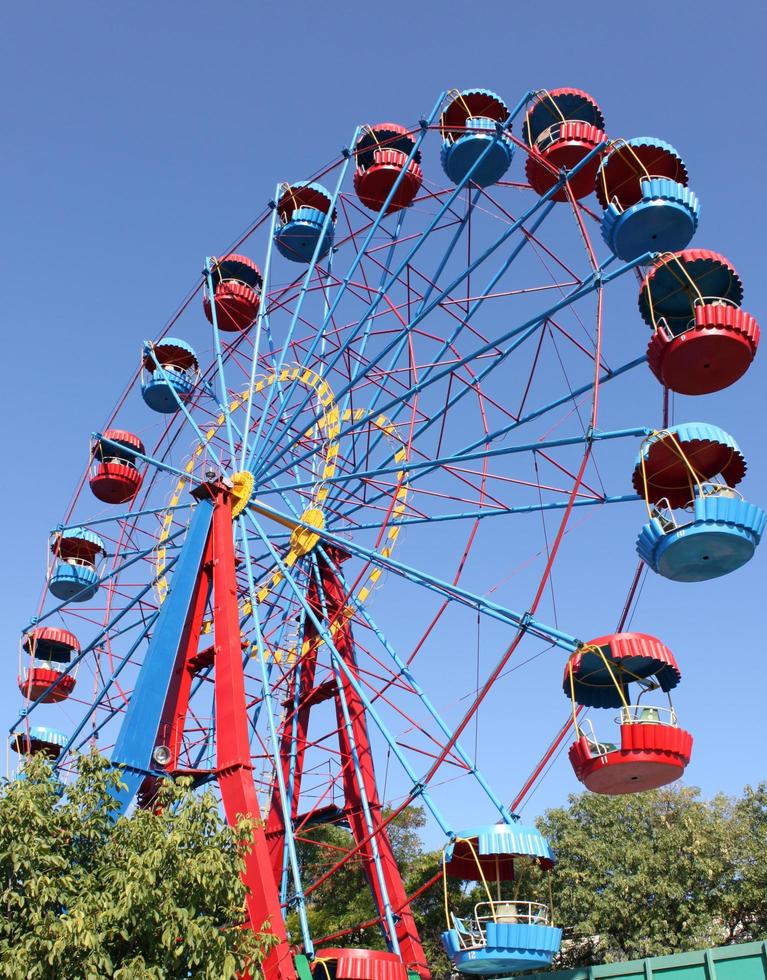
[140, 137]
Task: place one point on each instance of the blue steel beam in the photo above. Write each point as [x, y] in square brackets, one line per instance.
[405, 671]
[141, 722]
[164, 467]
[298, 895]
[262, 314]
[126, 516]
[531, 416]
[431, 582]
[149, 349]
[412, 469]
[344, 282]
[224, 403]
[388, 914]
[483, 512]
[302, 296]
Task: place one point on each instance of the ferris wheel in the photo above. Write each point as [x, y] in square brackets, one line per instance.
[266, 586]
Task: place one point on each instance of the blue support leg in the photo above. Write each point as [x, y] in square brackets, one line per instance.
[138, 732]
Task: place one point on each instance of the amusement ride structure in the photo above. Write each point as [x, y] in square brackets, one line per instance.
[417, 352]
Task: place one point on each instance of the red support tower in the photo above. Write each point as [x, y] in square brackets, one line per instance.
[353, 809]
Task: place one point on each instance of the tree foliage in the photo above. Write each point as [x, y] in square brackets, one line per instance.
[153, 895]
[653, 873]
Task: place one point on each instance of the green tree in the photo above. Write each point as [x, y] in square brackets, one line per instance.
[653, 873]
[157, 894]
[744, 899]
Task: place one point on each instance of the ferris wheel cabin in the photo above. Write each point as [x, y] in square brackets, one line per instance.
[473, 136]
[77, 554]
[702, 340]
[653, 750]
[642, 185]
[303, 226]
[694, 468]
[39, 740]
[357, 964]
[383, 155]
[562, 127]
[51, 650]
[237, 283]
[503, 934]
[169, 375]
[114, 477]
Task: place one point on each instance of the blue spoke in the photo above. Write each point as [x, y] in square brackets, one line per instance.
[412, 470]
[404, 671]
[393, 942]
[483, 512]
[104, 578]
[262, 313]
[298, 895]
[431, 582]
[299, 303]
[224, 403]
[158, 464]
[126, 516]
[168, 378]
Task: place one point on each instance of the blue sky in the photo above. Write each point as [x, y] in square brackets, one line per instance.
[139, 138]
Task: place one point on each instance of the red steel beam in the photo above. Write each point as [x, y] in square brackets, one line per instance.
[235, 770]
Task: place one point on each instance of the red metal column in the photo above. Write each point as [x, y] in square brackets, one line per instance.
[276, 824]
[407, 934]
[234, 765]
[184, 671]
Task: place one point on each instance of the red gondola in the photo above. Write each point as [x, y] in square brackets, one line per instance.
[237, 283]
[357, 964]
[382, 153]
[653, 751]
[561, 128]
[51, 649]
[702, 340]
[114, 477]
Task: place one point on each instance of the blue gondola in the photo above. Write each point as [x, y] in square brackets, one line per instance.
[39, 741]
[721, 534]
[693, 468]
[77, 553]
[471, 126]
[303, 214]
[501, 935]
[169, 375]
[642, 185]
